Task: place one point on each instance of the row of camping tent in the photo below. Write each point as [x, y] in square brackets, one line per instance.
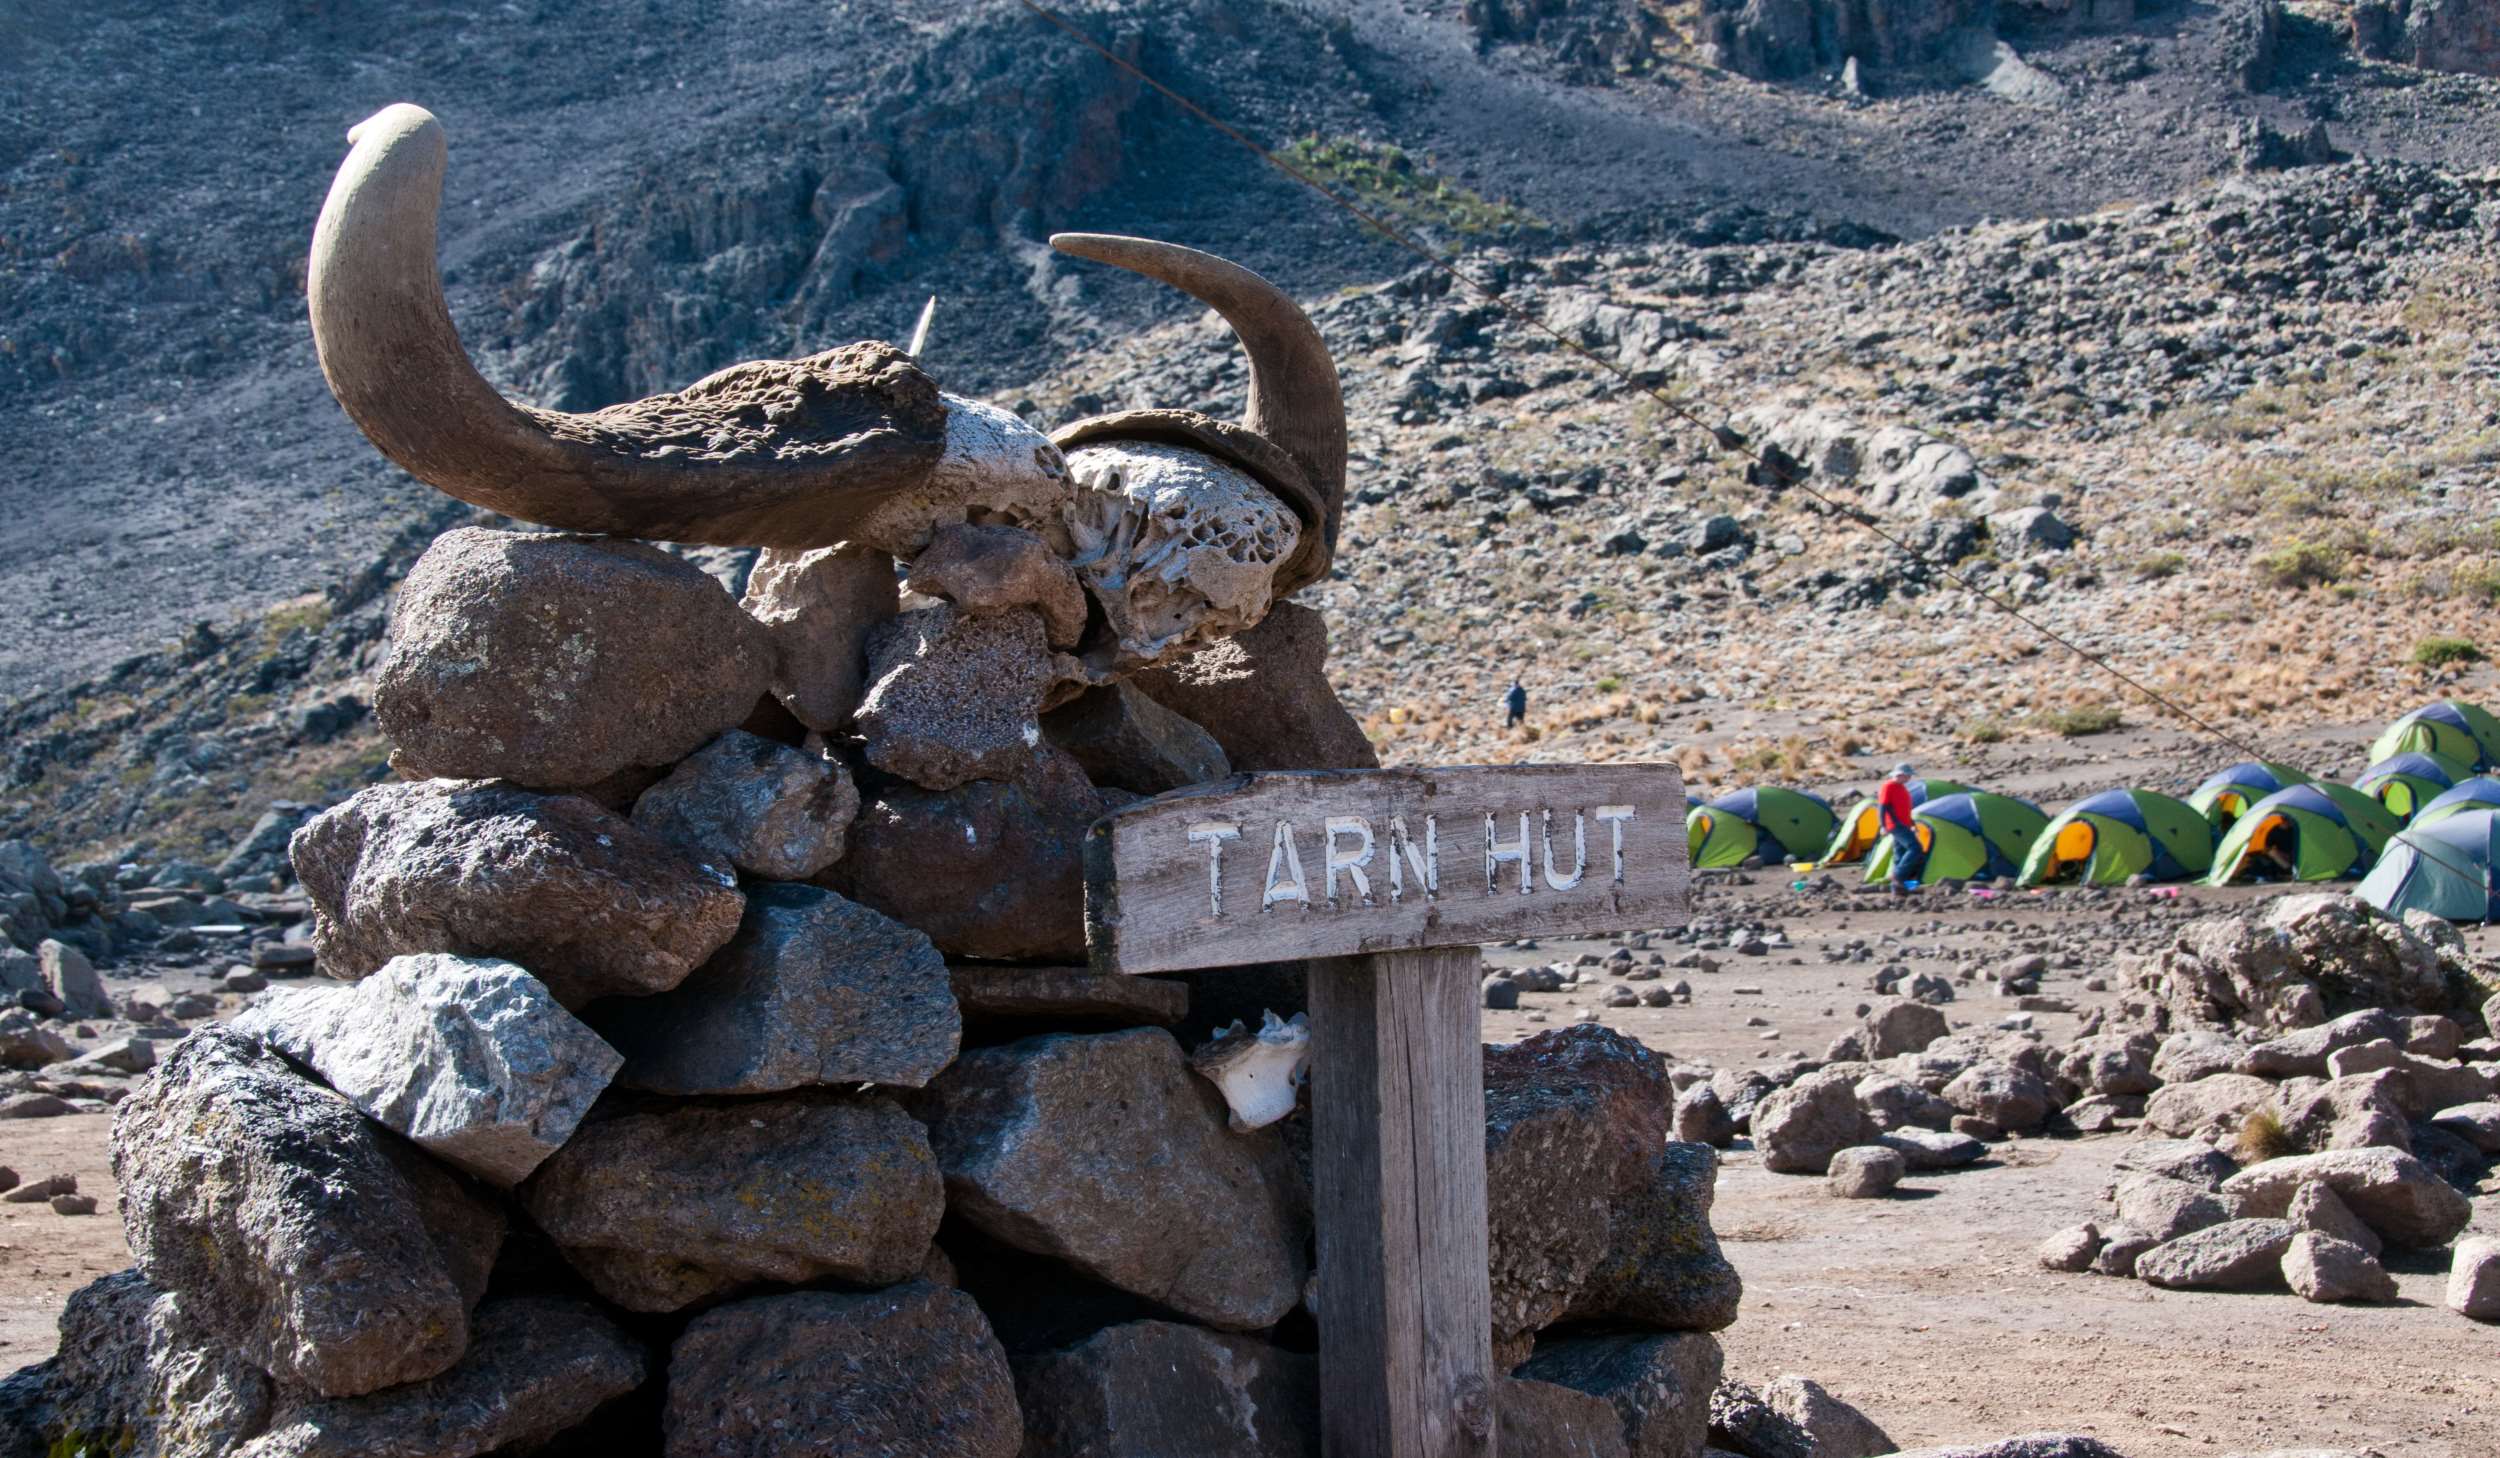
[2421, 823]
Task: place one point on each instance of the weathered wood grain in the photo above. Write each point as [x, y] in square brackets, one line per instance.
[1405, 1310]
[1329, 863]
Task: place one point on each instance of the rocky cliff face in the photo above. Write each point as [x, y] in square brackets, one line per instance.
[2437, 35]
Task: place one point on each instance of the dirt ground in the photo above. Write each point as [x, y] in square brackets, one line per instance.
[1926, 1309]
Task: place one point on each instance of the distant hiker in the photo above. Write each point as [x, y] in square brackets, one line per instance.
[1517, 702]
[1894, 809]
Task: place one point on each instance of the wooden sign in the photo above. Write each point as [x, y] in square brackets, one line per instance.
[1327, 863]
[1406, 870]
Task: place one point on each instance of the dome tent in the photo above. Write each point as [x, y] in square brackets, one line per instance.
[2326, 832]
[2404, 783]
[1860, 826]
[2226, 794]
[2450, 869]
[1769, 822]
[2119, 834]
[1971, 836]
[2480, 793]
[2461, 731]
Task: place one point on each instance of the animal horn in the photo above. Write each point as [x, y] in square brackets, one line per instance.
[776, 454]
[1295, 401]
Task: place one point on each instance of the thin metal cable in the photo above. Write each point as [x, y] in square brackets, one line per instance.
[1726, 438]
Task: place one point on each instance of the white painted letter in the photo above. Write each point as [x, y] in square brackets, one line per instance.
[1426, 862]
[1615, 816]
[1579, 851]
[1495, 853]
[1351, 862]
[1287, 857]
[1213, 834]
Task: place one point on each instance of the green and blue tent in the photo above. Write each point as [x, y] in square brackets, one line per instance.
[1772, 823]
[2119, 834]
[2323, 832]
[1972, 836]
[1860, 826]
[2407, 782]
[2449, 869]
[2479, 793]
[2226, 794]
[2463, 732]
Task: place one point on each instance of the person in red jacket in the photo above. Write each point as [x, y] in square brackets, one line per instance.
[1893, 808]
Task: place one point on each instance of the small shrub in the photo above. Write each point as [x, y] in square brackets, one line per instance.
[2158, 565]
[2263, 1137]
[2437, 652]
[2089, 719]
[1983, 731]
[2303, 564]
[1609, 685]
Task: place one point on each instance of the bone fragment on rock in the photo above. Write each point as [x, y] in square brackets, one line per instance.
[995, 470]
[1258, 1073]
[1175, 547]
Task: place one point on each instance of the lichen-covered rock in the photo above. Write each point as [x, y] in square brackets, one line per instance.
[470, 1058]
[1799, 1128]
[912, 1371]
[2393, 1193]
[1548, 1420]
[1103, 1151]
[817, 607]
[1265, 696]
[814, 989]
[954, 696]
[1126, 740]
[590, 905]
[662, 1208]
[1658, 1384]
[754, 803]
[1148, 1389]
[556, 660]
[223, 1154]
[991, 869]
[1593, 1213]
[992, 569]
[536, 1366]
[133, 1365]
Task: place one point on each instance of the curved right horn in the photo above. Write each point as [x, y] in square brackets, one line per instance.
[1295, 401]
[775, 454]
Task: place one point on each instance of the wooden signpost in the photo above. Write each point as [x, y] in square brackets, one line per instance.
[1394, 877]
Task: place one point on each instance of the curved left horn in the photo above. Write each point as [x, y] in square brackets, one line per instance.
[1295, 401]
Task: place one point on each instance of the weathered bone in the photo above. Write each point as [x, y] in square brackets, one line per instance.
[1258, 1073]
[1176, 547]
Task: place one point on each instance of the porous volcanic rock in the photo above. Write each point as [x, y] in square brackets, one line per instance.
[662, 1208]
[588, 903]
[954, 696]
[992, 569]
[1126, 740]
[814, 989]
[557, 660]
[817, 607]
[1145, 1389]
[992, 869]
[470, 1058]
[1103, 1151]
[220, 1153]
[536, 1366]
[754, 803]
[911, 1371]
[1265, 696]
[1659, 1384]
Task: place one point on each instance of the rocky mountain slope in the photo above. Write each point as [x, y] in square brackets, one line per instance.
[2264, 407]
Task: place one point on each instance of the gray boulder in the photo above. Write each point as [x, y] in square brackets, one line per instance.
[1700, 1118]
[2315, 1206]
[220, 1153]
[2185, 1057]
[814, 989]
[908, 1372]
[133, 1364]
[556, 661]
[2304, 1051]
[2322, 1268]
[1105, 1152]
[470, 1058]
[1146, 1389]
[664, 1208]
[2165, 1209]
[1546, 1420]
[1924, 1150]
[1865, 1172]
[1838, 1430]
[1658, 1384]
[2235, 1255]
[1741, 1422]
[69, 976]
[536, 1366]
[954, 696]
[592, 906]
[26, 1043]
[2393, 1193]
[2072, 1249]
[1902, 1026]
[1264, 695]
[754, 803]
[1799, 1128]
[2189, 1161]
[2014, 1099]
[1126, 740]
[817, 608]
[2212, 1105]
[2474, 1279]
[996, 569]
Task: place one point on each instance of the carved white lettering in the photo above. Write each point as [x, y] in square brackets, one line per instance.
[1285, 857]
[1212, 834]
[1405, 855]
[1615, 818]
[1579, 851]
[1349, 859]
[1496, 854]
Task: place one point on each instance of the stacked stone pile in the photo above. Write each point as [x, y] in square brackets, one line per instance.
[712, 1076]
